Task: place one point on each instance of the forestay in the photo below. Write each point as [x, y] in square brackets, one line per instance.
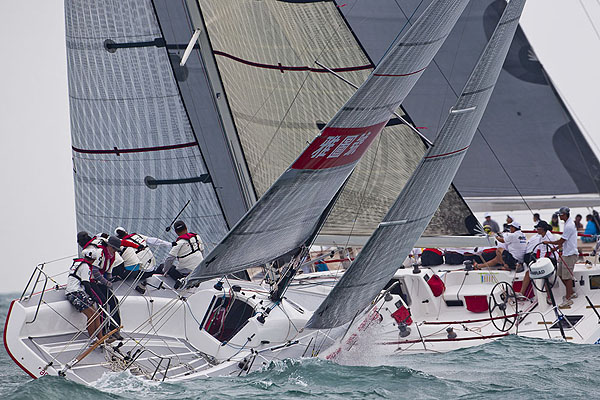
[290, 213]
[407, 219]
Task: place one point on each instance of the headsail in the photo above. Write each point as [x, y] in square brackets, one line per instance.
[415, 206]
[290, 213]
[136, 160]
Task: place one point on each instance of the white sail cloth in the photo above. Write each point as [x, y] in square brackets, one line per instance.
[293, 209]
[412, 211]
[128, 122]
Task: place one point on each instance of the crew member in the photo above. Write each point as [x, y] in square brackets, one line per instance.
[79, 290]
[511, 250]
[187, 251]
[101, 274]
[536, 249]
[494, 227]
[566, 265]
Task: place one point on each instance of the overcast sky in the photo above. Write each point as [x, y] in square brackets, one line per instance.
[37, 214]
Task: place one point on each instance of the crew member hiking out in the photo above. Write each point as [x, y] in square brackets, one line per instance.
[102, 274]
[79, 290]
[187, 251]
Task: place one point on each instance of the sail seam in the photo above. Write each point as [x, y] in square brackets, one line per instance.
[509, 21]
[408, 74]
[422, 43]
[455, 152]
[118, 151]
[478, 91]
[283, 68]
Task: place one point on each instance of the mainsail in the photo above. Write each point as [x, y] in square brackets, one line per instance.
[289, 214]
[525, 100]
[136, 160]
[413, 209]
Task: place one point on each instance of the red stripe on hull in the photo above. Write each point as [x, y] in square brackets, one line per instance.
[6, 344]
[338, 146]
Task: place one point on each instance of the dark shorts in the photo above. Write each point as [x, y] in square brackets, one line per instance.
[509, 260]
[80, 300]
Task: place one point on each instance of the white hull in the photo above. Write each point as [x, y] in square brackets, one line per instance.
[162, 334]
[464, 307]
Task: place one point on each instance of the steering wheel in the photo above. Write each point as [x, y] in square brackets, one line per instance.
[551, 250]
[500, 296]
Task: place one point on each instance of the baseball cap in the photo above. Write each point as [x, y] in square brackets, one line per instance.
[179, 225]
[510, 216]
[515, 224]
[564, 210]
[114, 242]
[543, 225]
[487, 215]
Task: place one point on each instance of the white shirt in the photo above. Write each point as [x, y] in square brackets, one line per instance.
[532, 244]
[147, 260]
[516, 244]
[570, 236]
[187, 258]
[82, 270]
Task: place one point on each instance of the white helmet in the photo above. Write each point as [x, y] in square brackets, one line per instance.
[93, 253]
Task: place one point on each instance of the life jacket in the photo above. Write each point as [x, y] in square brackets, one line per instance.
[74, 272]
[431, 257]
[135, 238]
[194, 242]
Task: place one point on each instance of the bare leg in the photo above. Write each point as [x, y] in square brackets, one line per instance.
[494, 261]
[526, 280]
[569, 285]
[93, 322]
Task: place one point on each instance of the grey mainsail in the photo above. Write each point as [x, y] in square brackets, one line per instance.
[552, 158]
[136, 160]
[407, 219]
[288, 215]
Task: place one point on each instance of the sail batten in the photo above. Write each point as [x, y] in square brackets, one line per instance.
[391, 242]
[291, 211]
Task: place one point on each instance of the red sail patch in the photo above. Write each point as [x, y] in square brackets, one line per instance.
[337, 146]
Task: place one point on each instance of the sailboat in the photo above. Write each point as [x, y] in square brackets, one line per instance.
[217, 325]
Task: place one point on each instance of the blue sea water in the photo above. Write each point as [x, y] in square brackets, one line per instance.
[510, 368]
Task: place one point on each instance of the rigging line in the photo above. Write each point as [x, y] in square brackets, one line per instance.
[308, 75]
[589, 17]
[403, 27]
[362, 197]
